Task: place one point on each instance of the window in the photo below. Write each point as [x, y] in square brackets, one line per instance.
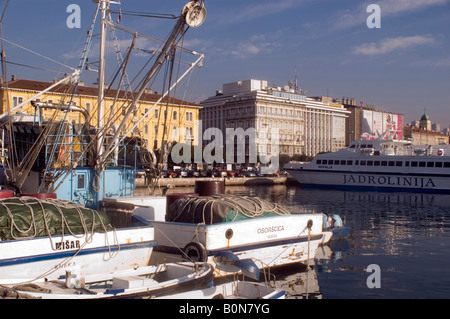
[189, 116]
[398, 163]
[17, 100]
[319, 161]
[430, 164]
[156, 113]
[146, 111]
[438, 164]
[447, 164]
[391, 163]
[88, 107]
[81, 181]
[369, 163]
[174, 115]
[376, 163]
[414, 164]
[421, 164]
[349, 162]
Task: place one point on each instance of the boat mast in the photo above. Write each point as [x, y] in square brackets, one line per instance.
[104, 5]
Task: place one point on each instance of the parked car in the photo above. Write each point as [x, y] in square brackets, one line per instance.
[248, 174]
[231, 173]
[193, 173]
[168, 173]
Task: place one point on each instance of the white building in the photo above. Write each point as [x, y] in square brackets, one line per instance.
[305, 125]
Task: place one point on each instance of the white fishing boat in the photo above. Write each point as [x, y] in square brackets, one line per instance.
[381, 164]
[199, 227]
[237, 288]
[139, 282]
[42, 239]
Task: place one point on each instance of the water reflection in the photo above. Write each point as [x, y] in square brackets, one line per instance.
[406, 234]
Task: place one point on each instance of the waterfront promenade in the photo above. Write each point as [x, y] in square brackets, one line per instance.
[229, 181]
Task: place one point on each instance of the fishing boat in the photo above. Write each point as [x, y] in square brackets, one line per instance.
[383, 164]
[236, 288]
[43, 238]
[198, 227]
[80, 161]
[148, 282]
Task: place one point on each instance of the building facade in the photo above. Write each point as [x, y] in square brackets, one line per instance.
[171, 120]
[303, 125]
[364, 122]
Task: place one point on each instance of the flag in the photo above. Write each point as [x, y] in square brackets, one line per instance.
[119, 18]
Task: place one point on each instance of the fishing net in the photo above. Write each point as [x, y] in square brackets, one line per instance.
[221, 208]
[29, 217]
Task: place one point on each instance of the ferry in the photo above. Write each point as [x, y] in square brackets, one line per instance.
[382, 164]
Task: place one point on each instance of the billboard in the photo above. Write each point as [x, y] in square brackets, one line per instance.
[375, 123]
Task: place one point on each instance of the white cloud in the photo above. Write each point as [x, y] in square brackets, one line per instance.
[391, 44]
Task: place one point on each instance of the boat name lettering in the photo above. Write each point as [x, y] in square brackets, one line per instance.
[389, 180]
[325, 166]
[68, 244]
[270, 229]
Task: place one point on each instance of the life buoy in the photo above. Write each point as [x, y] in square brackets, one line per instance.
[440, 152]
[195, 252]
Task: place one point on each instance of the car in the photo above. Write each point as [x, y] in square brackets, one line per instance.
[203, 173]
[193, 173]
[168, 173]
[248, 174]
[231, 173]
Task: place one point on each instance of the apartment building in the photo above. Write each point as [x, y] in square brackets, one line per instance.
[171, 120]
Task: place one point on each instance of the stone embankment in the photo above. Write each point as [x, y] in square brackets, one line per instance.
[229, 181]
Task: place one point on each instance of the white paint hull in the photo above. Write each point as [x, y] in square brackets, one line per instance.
[49, 258]
[269, 241]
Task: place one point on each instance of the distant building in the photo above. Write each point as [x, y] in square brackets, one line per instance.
[422, 133]
[305, 125]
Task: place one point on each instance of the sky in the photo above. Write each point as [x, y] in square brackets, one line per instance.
[402, 66]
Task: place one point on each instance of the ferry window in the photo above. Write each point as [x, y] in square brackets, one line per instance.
[391, 163]
[363, 146]
[438, 164]
[370, 146]
[356, 162]
[363, 163]
[343, 162]
[447, 164]
[349, 162]
[369, 163]
[430, 164]
[407, 163]
[383, 163]
[398, 163]
[319, 161]
[421, 164]
[81, 181]
[414, 164]
[376, 163]
[336, 162]
[352, 146]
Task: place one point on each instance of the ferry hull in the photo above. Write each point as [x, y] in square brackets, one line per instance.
[372, 180]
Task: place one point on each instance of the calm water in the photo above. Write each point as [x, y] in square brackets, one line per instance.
[406, 234]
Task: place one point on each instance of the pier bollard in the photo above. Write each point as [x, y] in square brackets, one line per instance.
[208, 188]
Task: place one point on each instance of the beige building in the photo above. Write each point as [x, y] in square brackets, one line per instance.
[304, 125]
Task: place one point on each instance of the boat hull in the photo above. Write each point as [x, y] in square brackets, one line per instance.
[269, 241]
[383, 181]
[48, 258]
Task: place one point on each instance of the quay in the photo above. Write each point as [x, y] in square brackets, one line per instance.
[229, 181]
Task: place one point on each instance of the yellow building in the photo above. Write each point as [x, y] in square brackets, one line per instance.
[170, 120]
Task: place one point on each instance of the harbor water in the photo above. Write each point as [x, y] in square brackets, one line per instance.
[399, 245]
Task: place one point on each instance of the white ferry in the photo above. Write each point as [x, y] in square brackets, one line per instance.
[382, 164]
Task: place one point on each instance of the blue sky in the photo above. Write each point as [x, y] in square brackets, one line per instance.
[402, 67]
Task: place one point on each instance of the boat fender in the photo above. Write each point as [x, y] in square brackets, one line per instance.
[195, 252]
